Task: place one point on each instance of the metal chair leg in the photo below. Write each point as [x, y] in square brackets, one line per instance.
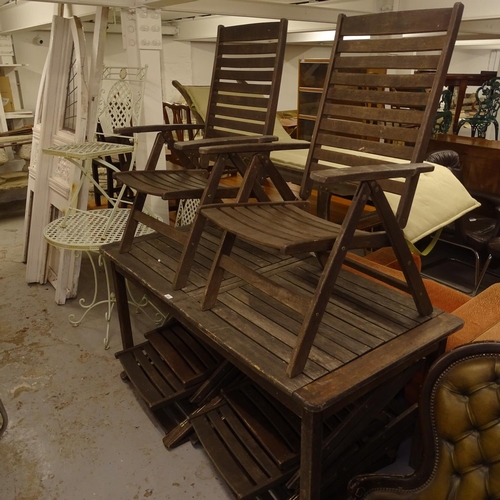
[479, 275]
[5, 420]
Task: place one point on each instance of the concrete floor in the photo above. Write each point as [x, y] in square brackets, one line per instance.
[76, 431]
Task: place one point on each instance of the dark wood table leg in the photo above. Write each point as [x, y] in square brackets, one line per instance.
[122, 307]
[310, 461]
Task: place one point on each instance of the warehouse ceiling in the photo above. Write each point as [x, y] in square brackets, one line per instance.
[198, 19]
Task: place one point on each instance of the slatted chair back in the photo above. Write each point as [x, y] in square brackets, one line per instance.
[181, 113]
[246, 79]
[242, 108]
[381, 90]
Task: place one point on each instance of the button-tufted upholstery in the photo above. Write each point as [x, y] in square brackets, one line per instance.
[460, 417]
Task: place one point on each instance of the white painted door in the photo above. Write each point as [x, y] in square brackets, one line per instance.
[60, 119]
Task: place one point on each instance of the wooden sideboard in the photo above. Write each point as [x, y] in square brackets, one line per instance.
[480, 159]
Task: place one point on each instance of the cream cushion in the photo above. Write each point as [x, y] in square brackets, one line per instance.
[440, 197]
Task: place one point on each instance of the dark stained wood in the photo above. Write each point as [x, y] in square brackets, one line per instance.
[353, 352]
[169, 366]
[358, 335]
[290, 230]
[480, 160]
[251, 87]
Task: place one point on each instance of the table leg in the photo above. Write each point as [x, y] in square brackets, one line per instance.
[122, 308]
[310, 460]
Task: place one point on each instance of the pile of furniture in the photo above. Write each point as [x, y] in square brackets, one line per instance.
[289, 367]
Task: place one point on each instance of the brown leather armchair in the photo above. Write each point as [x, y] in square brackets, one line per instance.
[460, 419]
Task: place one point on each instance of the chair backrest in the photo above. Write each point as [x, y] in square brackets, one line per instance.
[181, 113]
[382, 90]
[246, 79]
[488, 99]
[121, 97]
[459, 414]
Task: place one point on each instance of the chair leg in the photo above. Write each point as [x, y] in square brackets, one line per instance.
[317, 306]
[479, 275]
[95, 175]
[395, 234]
[216, 275]
[189, 250]
[131, 227]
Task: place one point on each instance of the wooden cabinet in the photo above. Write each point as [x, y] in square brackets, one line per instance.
[312, 74]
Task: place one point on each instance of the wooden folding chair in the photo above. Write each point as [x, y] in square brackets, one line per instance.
[242, 107]
[359, 117]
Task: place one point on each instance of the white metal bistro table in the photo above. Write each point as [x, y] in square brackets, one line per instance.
[87, 231]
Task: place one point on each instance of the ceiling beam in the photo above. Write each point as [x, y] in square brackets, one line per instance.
[268, 10]
[473, 9]
[205, 28]
[23, 15]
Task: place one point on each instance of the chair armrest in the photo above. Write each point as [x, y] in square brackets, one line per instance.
[222, 141]
[370, 172]
[255, 148]
[158, 128]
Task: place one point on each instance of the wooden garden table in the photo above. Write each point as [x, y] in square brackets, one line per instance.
[375, 335]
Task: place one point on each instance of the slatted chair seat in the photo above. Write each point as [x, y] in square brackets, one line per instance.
[242, 107]
[388, 113]
[252, 439]
[169, 367]
[175, 185]
[280, 229]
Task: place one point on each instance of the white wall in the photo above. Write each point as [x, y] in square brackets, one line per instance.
[470, 61]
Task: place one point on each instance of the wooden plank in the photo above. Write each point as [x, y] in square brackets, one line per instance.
[373, 320]
[207, 356]
[397, 23]
[140, 380]
[339, 348]
[249, 441]
[368, 130]
[278, 343]
[285, 329]
[175, 354]
[408, 81]
[238, 349]
[349, 381]
[419, 62]
[406, 44]
[268, 424]
[159, 374]
[220, 456]
[249, 48]
[407, 116]
[340, 324]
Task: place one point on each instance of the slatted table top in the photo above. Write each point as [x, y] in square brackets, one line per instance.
[368, 332]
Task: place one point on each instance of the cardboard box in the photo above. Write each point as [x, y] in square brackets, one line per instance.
[6, 91]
